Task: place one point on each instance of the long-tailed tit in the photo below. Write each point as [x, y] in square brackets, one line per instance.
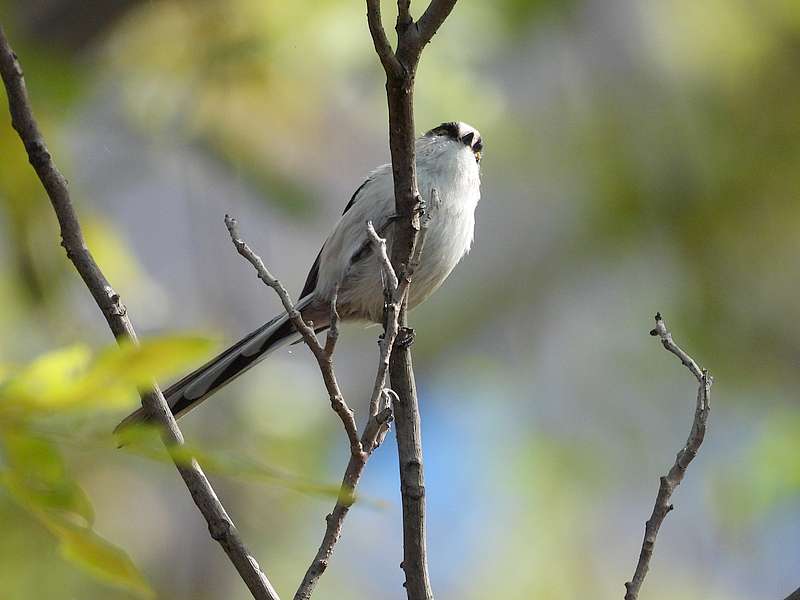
[448, 160]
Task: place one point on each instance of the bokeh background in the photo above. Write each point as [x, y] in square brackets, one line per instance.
[640, 155]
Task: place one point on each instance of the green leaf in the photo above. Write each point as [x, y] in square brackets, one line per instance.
[137, 366]
[142, 440]
[68, 378]
[46, 376]
[37, 478]
[86, 549]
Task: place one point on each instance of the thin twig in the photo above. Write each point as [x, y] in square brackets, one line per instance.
[395, 291]
[379, 245]
[333, 329]
[220, 525]
[673, 478]
[392, 311]
[377, 421]
[323, 354]
[360, 448]
[264, 275]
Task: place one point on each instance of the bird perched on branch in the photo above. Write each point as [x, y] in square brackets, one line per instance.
[448, 161]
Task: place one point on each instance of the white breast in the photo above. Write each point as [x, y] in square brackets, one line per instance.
[450, 168]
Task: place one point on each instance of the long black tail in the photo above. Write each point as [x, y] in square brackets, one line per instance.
[198, 385]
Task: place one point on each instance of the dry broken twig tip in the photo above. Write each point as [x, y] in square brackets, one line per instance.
[219, 523]
[673, 478]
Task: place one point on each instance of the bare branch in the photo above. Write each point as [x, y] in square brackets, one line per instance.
[673, 478]
[379, 245]
[264, 275]
[377, 422]
[324, 358]
[666, 339]
[409, 431]
[333, 330]
[391, 316]
[395, 292]
[220, 525]
[419, 245]
[403, 15]
[360, 448]
[400, 74]
[334, 520]
[382, 46]
[374, 430]
[433, 17]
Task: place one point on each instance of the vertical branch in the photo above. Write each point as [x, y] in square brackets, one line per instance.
[673, 478]
[220, 525]
[400, 68]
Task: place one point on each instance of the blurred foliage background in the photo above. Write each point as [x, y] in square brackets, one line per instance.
[640, 156]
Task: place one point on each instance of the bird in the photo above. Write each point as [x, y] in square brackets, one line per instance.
[448, 159]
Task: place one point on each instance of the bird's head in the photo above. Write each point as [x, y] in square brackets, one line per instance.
[460, 132]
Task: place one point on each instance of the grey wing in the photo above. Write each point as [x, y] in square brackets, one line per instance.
[313, 274]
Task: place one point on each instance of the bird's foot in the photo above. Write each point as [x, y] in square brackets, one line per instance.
[405, 337]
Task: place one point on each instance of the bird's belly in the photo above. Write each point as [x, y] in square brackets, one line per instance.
[447, 239]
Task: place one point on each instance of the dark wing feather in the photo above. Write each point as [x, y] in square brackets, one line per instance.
[311, 280]
[313, 274]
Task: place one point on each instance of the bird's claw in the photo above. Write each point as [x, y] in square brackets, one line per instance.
[405, 337]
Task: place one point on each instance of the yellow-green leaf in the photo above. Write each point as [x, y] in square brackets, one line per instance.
[69, 379]
[36, 476]
[86, 549]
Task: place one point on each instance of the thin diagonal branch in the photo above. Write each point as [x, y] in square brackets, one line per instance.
[323, 354]
[673, 478]
[220, 525]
